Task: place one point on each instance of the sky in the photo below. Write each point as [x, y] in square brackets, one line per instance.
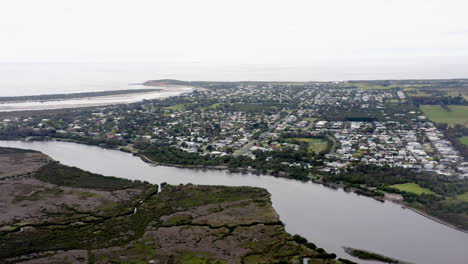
[238, 32]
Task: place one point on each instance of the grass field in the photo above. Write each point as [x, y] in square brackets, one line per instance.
[393, 100]
[413, 92]
[463, 197]
[316, 145]
[464, 140]
[179, 107]
[368, 86]
[458, 115]
[412, 188]
[288, 83]
[464, 94]
[310, 119]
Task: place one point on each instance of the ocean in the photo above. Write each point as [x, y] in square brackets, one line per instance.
[51, 78]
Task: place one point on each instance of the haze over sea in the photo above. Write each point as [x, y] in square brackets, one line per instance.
[58, 77]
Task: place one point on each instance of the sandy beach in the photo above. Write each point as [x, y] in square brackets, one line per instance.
[165, 91]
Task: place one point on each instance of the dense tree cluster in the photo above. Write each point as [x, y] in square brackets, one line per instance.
[453, 135]
[442, 204]
[441, 100]
[377, 176]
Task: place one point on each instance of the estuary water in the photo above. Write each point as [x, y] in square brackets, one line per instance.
[330, 218]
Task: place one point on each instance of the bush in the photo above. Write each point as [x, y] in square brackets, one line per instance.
[299, 239]
[326, 256]
[346, 261]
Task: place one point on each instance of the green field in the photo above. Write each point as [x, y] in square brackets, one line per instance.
[464, 94]
[316, 145]
[310, 119]
[414, 92]
[463, 197]
[457, 115]
[464, 140]
[412, 188]
[213, 106]
[288, 83]
[179, 107]
[394, 101]
[369, 86]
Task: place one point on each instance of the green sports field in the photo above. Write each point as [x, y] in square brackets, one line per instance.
[457, 115]
[463, 197]
[316, 145]
[412, 188]
[464, 140]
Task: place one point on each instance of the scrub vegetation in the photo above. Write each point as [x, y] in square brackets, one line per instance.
[367, 255]
[111, 220]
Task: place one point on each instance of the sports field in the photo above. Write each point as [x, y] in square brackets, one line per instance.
[316, 145]
[464, 140]
[463, 197]
[457, 115]
[412, 188]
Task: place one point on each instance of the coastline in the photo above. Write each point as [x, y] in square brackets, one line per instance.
[94, 101]
[70, 96]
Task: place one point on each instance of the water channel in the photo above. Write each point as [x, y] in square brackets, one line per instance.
[329, 218]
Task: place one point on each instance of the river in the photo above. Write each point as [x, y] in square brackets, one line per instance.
[330, 218]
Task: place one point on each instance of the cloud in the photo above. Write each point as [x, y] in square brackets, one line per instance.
[297, 31]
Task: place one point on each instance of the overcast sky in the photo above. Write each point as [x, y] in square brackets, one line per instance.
[235, 31]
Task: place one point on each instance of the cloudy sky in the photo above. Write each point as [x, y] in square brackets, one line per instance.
[241, 31]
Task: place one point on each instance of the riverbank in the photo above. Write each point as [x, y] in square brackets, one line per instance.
[367, 255]
[326, 184]
[393, 200]
[100, 219]
[433, 218]
[200, 167]
[403, 204]
[331, 218]
[330, 185]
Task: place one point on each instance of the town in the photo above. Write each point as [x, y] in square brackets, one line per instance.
[336, 123]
